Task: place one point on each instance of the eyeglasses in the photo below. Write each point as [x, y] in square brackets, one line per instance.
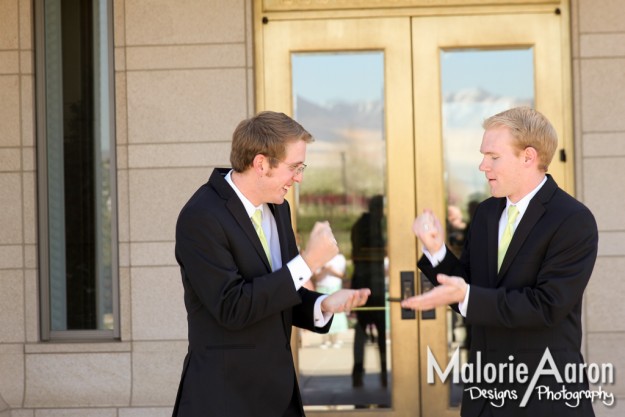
[296, 169]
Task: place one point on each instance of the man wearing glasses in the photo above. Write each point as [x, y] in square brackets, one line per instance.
[243, 278]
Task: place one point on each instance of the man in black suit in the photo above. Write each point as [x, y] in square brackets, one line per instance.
[525, 299]
[368, 253]
[243, 278]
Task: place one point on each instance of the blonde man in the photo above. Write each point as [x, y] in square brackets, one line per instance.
[521, 276]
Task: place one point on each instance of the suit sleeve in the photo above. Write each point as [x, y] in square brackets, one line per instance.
[558, 287]
[212, 257]
[450, 265]
[303, 314]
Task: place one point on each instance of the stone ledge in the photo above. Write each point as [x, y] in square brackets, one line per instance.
[73, 347]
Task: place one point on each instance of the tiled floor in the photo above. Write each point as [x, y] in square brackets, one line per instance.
[325, 374]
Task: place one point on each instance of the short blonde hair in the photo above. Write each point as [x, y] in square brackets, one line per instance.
[267, 133]
[529, 128]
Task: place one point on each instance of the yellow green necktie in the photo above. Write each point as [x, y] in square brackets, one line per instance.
[513, 213]
[256, 220]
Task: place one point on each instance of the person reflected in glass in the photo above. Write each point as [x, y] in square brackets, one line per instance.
[368, 254]
[456, 228]
[328, 280]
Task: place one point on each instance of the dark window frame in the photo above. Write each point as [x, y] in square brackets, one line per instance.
[47, 332]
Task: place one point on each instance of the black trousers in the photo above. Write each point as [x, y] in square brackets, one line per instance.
[486, 411]
[294, 408]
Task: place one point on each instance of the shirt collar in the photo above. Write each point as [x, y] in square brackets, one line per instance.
[522, 204]
[249, 207]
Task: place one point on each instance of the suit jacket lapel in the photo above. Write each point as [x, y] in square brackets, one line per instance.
[493, 239]
[238, 212]
[281, 225]
[534, 212]
[236, 208]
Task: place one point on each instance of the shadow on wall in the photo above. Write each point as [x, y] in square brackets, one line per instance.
[3, 407]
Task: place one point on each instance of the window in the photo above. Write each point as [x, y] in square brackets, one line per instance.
[76, 170]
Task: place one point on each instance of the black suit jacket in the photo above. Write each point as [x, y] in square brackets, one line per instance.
[239, 313]
[534, 301]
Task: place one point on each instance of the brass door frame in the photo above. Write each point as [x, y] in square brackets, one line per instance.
[413, 38]
[286, 37]
[430, 35]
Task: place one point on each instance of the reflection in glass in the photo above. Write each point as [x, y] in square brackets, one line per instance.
[79, 174]
[476, 84]
[338, 97]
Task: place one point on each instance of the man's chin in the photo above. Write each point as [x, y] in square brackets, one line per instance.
[278, 200]
[495, 193]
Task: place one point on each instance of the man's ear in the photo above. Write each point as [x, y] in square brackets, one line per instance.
[531, 155]
[258, 164]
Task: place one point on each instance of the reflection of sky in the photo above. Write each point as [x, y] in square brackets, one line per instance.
[321, 77]
[342, 76]
[501, 72]
[477, 84]
[338, 97]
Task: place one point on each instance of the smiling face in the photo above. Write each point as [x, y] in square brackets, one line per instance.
[503, 164]
[275, 184]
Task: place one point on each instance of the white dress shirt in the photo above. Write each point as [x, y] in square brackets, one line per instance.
[300, 272]
[521, 206]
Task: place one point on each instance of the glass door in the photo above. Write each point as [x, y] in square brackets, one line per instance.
[346, 184]
[467, 68]
[350, 87]
[396, 106]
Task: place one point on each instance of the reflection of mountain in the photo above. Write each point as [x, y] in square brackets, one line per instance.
[464, 112]
[349, 153]
[333, 121]
[469, 107]
[469, 94]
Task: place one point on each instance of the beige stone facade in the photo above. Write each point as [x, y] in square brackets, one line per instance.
[184, 76]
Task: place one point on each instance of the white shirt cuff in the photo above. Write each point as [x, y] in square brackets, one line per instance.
[465, 303]
[300, 272]
[436, 258]
[321, 318]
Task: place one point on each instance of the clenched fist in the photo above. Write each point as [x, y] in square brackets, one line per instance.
[429, 231]
[321, 246]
